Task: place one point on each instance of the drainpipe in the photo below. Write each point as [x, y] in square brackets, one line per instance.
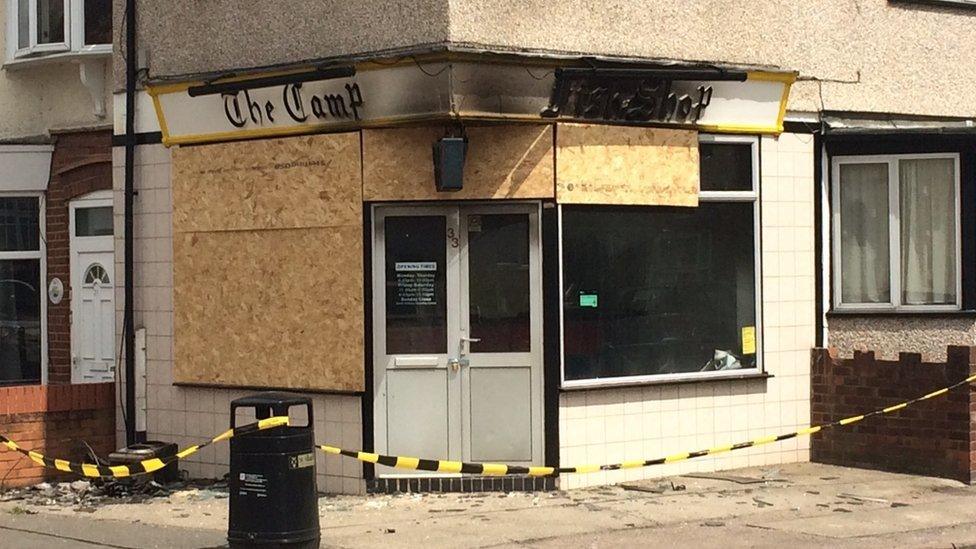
[128, 329]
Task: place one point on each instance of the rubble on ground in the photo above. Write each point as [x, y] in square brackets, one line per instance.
[88, 494]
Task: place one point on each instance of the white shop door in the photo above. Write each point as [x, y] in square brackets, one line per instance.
[93, 352]
[457, 297]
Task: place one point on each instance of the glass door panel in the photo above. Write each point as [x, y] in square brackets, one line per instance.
[498, 283]
[416, 285]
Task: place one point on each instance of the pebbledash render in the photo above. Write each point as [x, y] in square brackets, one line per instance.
[553, 236]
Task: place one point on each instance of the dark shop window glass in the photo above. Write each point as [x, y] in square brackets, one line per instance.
[20, 321]
[498, 283]
[50, 21]
[416, 285]
[93, 221]
[652, 291]
[725, 166]
[19, 224]
[98, 22]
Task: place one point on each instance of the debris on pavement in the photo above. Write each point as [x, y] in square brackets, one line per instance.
[761, 503]
[734, 478]
[86, 496]
[856, 497]
[654, 488]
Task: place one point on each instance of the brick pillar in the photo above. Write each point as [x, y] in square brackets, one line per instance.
[961, 363]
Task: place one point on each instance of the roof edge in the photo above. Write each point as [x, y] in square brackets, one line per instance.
[464, 51]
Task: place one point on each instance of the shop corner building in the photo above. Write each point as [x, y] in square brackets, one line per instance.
[639, 258]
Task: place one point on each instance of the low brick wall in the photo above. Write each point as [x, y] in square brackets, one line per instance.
[56, 420]
[934, 437]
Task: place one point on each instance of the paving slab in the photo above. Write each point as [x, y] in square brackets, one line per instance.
[877, 522]
[800, 505]
[50, 530]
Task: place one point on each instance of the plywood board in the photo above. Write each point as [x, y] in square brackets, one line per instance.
[310, 181]
[268, 263]
[270, 308]
[626, 165]
[502, 162]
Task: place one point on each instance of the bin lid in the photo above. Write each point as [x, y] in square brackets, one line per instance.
[272, 398]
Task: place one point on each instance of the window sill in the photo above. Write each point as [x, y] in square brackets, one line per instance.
[970, 313]
[20, 383]
[662, 380]
[256, 388]
[87, 54]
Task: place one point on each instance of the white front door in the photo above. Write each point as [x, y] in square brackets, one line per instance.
[93, 352]
[457, 309]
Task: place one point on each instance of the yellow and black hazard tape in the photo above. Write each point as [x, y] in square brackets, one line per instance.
[143, 467]
[499, 469]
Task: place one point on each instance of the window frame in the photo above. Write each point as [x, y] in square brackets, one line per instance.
[894, 233]
[74, 34]
[41, 255]
[754, 196]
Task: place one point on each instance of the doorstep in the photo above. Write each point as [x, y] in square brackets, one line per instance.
[425, 484]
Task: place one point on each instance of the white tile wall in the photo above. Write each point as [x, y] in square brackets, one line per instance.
[192, 415]
[612, 425]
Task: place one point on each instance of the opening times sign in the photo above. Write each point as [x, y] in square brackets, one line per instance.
[416, 284]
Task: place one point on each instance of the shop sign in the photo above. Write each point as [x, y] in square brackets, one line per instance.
[438, 91]
[243, 109]
[597, 96]
[369, 97]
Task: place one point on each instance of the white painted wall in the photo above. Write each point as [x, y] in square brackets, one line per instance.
[41, 97]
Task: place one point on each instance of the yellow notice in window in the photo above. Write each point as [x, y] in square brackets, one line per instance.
[749, 340]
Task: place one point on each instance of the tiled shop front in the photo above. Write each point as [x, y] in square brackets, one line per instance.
[592, 293]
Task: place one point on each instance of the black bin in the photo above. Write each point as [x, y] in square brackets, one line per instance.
[273, 499]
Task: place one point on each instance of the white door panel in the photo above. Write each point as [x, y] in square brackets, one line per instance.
[501, 410]
[418, 412]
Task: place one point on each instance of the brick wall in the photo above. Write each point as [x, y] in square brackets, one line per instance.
[933, 437]
[81, 163]
[56, 420]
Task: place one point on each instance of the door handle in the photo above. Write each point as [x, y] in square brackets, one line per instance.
[461, 342]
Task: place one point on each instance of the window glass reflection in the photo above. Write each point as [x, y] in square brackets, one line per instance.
[20, 321]
[498, 282]
[651, 291]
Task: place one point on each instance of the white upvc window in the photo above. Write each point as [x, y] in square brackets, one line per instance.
[896, 232]
[39, 28]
